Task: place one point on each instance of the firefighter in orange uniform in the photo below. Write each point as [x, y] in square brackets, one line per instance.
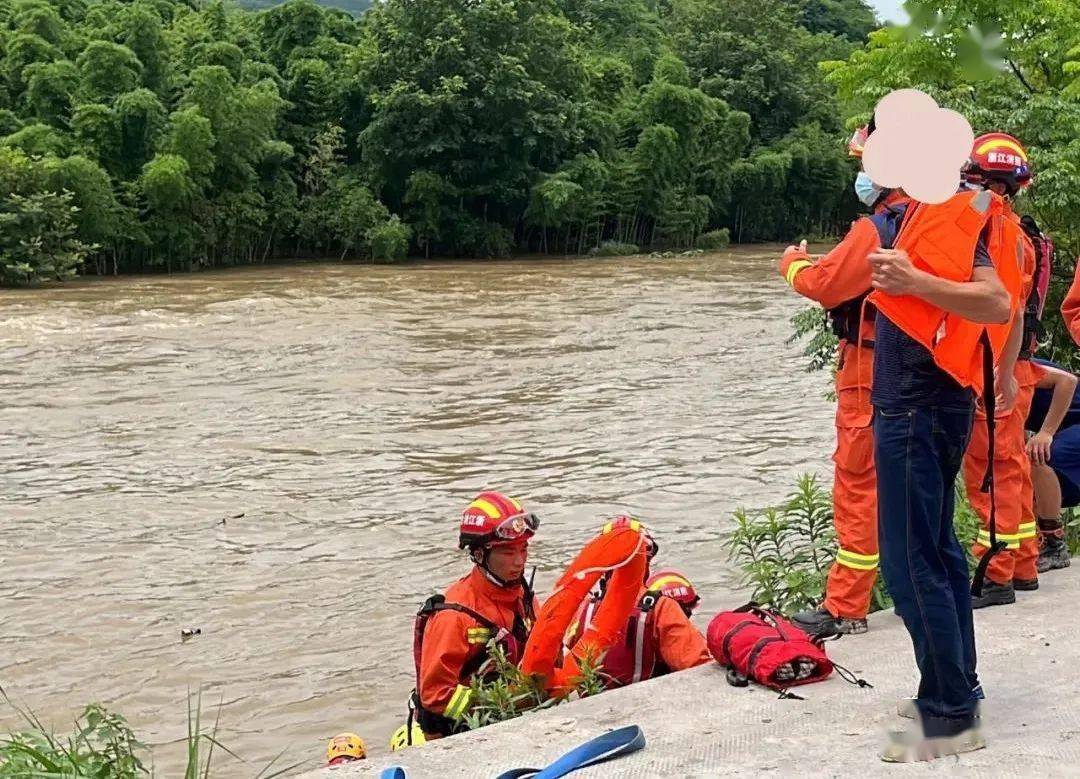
[493, 602]
[660, 638]
[1070, 307]
[840, 281]
[999, 163]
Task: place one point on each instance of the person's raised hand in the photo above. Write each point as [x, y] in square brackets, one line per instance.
[891, 271]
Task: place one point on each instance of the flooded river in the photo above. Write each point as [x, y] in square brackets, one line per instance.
[278, 457]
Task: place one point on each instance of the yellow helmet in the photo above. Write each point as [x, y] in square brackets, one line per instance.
[344, 748]
[402, 739]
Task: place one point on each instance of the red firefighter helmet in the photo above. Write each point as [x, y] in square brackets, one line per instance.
[676, 586]
[638, 526]
[493, 519]
[998, 157]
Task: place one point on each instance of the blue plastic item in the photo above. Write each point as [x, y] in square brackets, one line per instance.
[606, 747]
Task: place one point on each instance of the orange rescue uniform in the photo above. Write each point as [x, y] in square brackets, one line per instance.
[1070, 307]
[841, 276]
[1014, 515]
[671, 642]
[454, 642]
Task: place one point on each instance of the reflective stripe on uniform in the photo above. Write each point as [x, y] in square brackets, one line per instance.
[639, 648]
[1011, 540]
[459, 703]
[1027, 530]
[860, 562]
[794, 269]
[478, 635]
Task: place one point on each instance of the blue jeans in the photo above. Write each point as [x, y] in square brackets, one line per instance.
[918, 453]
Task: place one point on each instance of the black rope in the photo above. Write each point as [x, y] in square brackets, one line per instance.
[990, 408]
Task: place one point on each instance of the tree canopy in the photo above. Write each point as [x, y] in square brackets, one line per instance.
[185, 135]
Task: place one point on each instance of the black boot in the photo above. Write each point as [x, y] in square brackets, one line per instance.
[819, 623]
[1053, 553]
[994, 594]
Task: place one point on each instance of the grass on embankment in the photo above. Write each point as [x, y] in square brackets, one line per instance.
[103, 746]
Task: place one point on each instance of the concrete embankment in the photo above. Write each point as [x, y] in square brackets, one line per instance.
[696, 725]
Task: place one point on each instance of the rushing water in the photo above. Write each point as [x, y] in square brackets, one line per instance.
[278, 457]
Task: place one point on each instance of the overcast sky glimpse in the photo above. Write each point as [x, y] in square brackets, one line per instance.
[889, 10]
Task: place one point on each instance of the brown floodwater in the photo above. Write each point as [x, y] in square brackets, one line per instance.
[338, 418]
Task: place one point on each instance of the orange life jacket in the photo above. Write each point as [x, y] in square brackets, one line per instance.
[941, 239]
[635, 658]
[620, 551]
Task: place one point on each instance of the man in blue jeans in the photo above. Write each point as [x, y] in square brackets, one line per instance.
[922, 422]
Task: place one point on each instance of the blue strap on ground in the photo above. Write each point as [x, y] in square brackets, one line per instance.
[393, 772]
[606, 747]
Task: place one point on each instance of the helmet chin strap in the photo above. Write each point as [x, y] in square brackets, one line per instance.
[480, 557]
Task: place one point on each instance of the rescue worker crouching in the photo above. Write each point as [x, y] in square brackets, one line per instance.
[492, 603]
[659, 638]
[1054, 446]
[840, 282]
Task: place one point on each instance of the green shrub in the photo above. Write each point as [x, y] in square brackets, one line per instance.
[389, 240]
[501, 691]
[785, 551]
[103, 746]
[614, 249]
[714, 240]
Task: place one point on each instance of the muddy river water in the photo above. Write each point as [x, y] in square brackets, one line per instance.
[278, 457]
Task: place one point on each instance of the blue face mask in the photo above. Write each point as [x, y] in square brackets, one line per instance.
[866, 190]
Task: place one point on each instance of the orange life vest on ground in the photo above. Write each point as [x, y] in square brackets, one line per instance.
[941, 239]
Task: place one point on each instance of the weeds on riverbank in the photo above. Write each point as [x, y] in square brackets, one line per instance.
[785, 551]
[103, 746]
[504, 692]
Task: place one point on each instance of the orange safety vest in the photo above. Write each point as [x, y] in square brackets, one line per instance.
[941, 239]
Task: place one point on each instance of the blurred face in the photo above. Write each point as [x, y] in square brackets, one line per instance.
[508, 562]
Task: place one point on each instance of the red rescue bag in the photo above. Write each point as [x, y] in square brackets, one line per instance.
[758, 644]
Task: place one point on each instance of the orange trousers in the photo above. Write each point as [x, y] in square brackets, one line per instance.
[1015, 515]
[851, 578]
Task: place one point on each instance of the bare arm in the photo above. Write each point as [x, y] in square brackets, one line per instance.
[1064, 386]
[983, 299]
[1006, 368]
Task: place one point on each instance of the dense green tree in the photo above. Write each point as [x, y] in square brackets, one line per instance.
[1005, 66]
[190, 134]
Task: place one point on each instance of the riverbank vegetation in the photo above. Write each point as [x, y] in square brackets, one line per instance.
[103, 746]
[785, 551]
[183, 134]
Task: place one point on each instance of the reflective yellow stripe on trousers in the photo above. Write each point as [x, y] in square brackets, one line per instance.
[860, 562]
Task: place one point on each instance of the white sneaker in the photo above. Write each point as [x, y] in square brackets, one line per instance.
[913, 748]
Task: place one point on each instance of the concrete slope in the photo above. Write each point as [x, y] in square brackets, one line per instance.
[697, 725]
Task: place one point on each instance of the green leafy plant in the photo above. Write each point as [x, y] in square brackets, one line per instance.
[501, 691]
[821, 348]
[714, 240]
[785, 551]
[614, 249]
[103, 746]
